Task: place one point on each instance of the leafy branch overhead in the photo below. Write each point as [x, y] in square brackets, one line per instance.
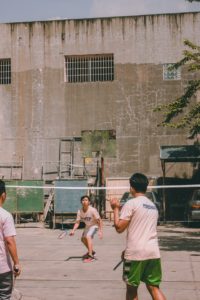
[189, 118]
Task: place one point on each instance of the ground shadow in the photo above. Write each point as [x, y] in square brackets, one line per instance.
[177, 243]
[184, 233]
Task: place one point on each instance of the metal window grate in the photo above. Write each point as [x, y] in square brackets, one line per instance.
[5, 71]
[171, 74]
[89, 68]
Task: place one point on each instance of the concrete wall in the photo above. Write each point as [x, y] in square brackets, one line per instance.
[39, 107]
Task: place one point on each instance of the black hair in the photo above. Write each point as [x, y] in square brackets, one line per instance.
[139, 182]
[2, 187]
[85, 197]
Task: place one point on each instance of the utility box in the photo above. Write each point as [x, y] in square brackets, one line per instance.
[67, 195]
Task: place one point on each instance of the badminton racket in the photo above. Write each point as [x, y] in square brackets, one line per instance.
[62, 234]
[16, 294]
[119, 263]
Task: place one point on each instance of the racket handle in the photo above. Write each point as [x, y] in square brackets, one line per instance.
[16, 269]
[121, 261]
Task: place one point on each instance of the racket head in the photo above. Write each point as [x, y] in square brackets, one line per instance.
[62, 234]
[16, 294]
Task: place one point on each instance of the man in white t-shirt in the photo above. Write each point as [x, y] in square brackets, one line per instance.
[8, 249]
[141, 255]
[90, 216]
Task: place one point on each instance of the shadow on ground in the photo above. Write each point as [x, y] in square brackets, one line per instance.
[184, 234]
[177, 243]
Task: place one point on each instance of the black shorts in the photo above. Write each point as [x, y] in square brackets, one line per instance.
[6, 285]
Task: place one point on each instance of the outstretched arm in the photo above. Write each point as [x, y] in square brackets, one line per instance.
[76, 225]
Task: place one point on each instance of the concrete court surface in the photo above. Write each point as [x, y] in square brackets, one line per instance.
[47, 275]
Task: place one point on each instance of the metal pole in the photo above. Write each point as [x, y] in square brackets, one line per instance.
[163, 191]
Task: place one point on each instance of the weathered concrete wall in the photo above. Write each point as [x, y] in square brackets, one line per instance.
[39, 107]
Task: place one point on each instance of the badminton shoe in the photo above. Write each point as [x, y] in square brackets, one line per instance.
[88, 259]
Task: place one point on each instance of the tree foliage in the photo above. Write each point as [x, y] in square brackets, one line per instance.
[189, 117]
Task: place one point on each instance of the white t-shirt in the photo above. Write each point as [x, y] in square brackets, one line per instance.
[7, 228]
[89, 217]
[142, 242]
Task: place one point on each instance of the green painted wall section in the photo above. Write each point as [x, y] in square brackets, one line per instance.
[102, 141]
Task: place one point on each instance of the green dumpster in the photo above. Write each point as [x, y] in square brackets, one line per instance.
[25, 197]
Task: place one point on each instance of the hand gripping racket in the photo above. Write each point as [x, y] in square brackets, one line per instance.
[16, 294]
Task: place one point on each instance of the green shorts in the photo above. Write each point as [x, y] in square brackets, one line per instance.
[149, 271]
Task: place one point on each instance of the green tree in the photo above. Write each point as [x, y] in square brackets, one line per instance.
[188, 117]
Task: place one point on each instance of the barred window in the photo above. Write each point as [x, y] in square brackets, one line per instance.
[171, 74]
[89, 68]
[5, 71]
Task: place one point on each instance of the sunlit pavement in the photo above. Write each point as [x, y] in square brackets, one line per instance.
[47, 275]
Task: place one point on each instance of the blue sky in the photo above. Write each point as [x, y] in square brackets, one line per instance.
[33, 10]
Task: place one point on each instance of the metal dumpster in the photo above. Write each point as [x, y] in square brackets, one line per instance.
[67, 199]
[21, 199]
[30, 199]
[11, 197]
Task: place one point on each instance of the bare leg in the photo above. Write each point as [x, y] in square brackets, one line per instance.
[87, 241]
[155, 292]
[131, 292]
[89, 245]
[84, 241]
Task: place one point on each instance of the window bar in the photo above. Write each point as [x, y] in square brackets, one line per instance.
[78, 69]
[89, 70]
[85, 70]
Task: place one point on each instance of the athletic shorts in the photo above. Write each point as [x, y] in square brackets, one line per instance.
[90, 231]
[148, 271]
